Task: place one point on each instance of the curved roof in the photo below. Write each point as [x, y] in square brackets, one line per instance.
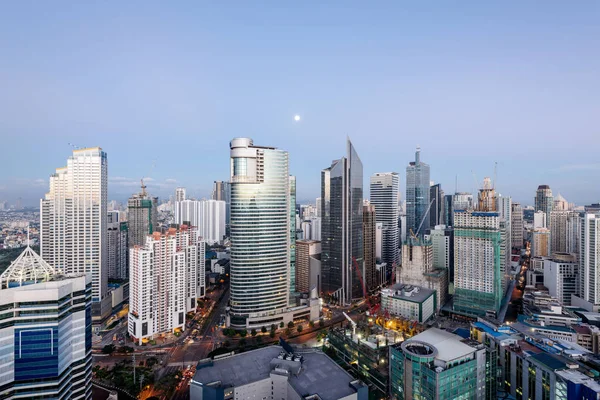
[28, 268]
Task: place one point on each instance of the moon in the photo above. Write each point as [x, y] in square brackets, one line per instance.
[296, 118]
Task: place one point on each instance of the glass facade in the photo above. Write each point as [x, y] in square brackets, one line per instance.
[260, 231]
[417, 195]
[384, 196]
[293, 234]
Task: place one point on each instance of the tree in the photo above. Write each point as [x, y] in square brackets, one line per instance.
[299, 328]
[125, 349]
[272, 334]
[321, 323]
[291, 324]
[273, 327]
[311, 324]
[281, 324]
[243, 333]
[109, 349]
[263, 329]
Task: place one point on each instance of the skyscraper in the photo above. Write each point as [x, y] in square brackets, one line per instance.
[180, 194]
[118, 252]
[46, 331]
[589, 262]
[207, 215]
[341, 227]
[308, 272]
[516, 225]
[417, 194]
[370, 275]
[436, 196]
[222, 191]
[260, 231]
[163, 282]
[73, 220]
[544, 201]
[292, 234]
[486, 199]
[384, 196]
[504, 207]
[141, 217]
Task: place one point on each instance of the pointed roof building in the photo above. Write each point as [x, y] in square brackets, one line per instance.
[28, 268]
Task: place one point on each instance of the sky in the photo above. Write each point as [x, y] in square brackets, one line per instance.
[163, 87]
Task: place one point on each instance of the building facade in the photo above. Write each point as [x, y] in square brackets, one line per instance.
[141, 217]
[46, 331]
[341, 227]
[163, 283]
[384, 189]
[180, 194]
[118, 247]
[477, 274]
[306, 277]
[417, 194]
[260, 231]
[73, 220]
[436, 212]
[589, 258]
[540, 242]
[414, 303]
[544, 201]
[207, 215]
[369, 274]
[562, 279]
[516, 225]
[442, 243]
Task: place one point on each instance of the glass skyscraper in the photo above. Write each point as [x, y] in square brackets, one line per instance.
[384, 196]
[544, 201]
[260, 231]
[417, 194]
[341, 227]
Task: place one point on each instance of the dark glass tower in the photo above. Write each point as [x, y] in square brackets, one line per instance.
[417, 195]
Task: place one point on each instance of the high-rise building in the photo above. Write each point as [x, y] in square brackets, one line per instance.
[417, 195]
[462, 201]
[207, 215]
[307, 271]
[448, 210]
[293, 234]
[370, 275]
[384, 196]
[141, 217]
[589, 261]
[516, 225]
[561, 204]
[477, 274]
[539, 220]
[540, 242]
[442, 243]
[222, 191]
[562, 279]
[558, 231]
[436, 212]
[573, 232]
[504, 208]
[46, 331]
[73, 220]
[180, 194]
[118, 253]
[341, 227]
[437, 364]
[163, 282]
[486, 198]
[544, 201]
[260, 231]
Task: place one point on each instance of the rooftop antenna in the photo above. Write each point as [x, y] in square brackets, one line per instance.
[495, 174]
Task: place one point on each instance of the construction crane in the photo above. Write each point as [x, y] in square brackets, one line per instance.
[360, 277]
[415, 235]
[352, 322]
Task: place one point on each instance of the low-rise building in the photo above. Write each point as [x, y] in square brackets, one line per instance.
[274, 372]
[411, 302]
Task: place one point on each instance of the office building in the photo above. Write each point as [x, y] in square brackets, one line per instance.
[442, 243]
[436, 211]
[504, 208]
[341, 227]
[180, 194]
[275, 372]
[222, 192]
[516, 225]
[163, 283]
[417, 195]
[540, 242]
[544, 201]
[370, 275]
[573, 232]
[207, 215]
[118, 247]
[73, 221]
[477, 274]
[462, 201]
[308, 265]
[539, 220]
[564, 229]
[414, 303]
[141, 217]
[589, 261]
[437, 364]
[260, 231]
[384, 189]
[293, 225]
[46, 331]
[561, 278]
[448, 210]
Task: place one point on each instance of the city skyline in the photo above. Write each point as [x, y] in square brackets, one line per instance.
[117, 81]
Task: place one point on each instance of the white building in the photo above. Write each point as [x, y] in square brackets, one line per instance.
[539, 220]
[46, 332]
[411, 302]
[563, 231]
[561, 278]
[441, 242]
[207, 215]
[589, 261]
[73, 221]
[384, 196]
[164, 278]
[180, 194]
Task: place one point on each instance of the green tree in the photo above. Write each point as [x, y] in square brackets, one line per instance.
[272, 334]
[243, 333]
[263, 329]
[321, 323]
[281, 324]
[299, 328]
[253, 332]
[291, 324]
[273, 327]
[109, 349]
[311, 324]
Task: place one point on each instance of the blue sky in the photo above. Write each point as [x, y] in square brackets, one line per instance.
[515, 82]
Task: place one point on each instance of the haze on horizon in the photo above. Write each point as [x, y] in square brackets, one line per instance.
[152, 84]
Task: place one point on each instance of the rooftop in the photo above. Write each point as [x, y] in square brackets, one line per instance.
[28, 268]
[315, 376]
[406, 292]
[449, 346]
